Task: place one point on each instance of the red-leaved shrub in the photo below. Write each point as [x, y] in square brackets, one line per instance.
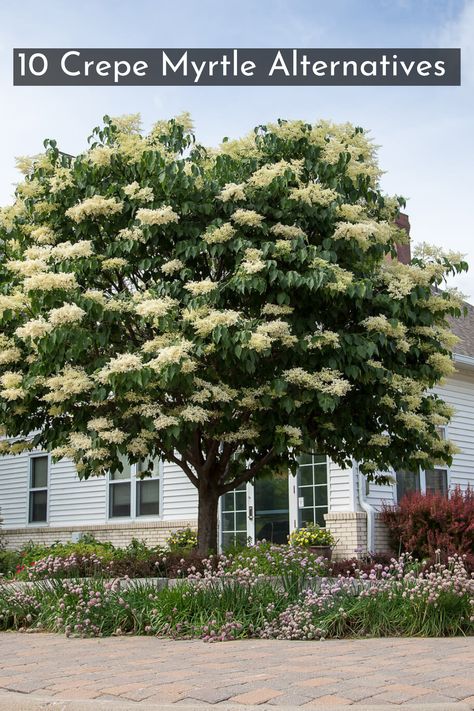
[424, 523]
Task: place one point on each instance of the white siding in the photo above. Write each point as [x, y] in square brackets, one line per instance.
[72, 501]
[341, 482]
[380, 494]
[459, 392]
[14, 490]
[180, 498]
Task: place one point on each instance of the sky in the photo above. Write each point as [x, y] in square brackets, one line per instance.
[425, 133]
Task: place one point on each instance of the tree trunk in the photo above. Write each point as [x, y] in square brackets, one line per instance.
[207, 518]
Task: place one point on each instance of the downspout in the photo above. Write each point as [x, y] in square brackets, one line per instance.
[369, 510]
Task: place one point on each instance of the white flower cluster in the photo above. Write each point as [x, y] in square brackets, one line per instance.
[66, 314]
[43, 235]
[350, 213]
[11, 386]
[204, 322]
[135, 192]
[100, 156]
[170, 354]
[69, 383]
[94, 207]
[31, 188]
[379, 440]
[174, 265]
[218, 235]
[161, 216]
[9, 353]
[381, 324]
[155, 307]
[113, 263]
[26, 267]
[131, 234]
[61, 180]
[266, 333]
[276, 310]
[442, 363]
[326, 380]
[294, 435]
[123, 363]
[232, 191]
[313, 194]
[68, 250]
[12, 302]
[127, 123]
[49, 281]
[100, 423]
[34, 329]
[245, 433]
[198, 288]
[364, 234]
[164, 421]
[264, 176]
[287, 231]
[194, 413]
[247, 218]
[219, 392]
[252, 262]
[323, 338]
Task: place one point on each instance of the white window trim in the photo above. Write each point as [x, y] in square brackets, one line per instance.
[47, 488]
[295, 493]
[158, 471]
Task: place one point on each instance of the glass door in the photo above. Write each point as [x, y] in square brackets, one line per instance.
[270, 508]
[272, 514]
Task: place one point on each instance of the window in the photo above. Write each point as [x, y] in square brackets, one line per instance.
[234, 517]
[436, 481]
[407, 482]
[130, 495]
[38, 490]
[147, 490]
[428, 481]
[312, 489]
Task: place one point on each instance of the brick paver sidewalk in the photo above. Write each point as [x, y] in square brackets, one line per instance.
[273, 673]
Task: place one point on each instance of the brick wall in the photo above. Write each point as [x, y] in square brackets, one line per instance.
[381, 537]
[350, 531]
[120, 534]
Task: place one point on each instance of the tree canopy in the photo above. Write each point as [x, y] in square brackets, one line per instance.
[222, 308]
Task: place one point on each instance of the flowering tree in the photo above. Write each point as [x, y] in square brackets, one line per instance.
[223, 309]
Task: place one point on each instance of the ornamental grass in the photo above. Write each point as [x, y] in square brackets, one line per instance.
[225, 601]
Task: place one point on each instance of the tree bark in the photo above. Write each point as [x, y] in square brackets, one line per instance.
[207, 518]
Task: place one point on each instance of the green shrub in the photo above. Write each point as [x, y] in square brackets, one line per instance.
[312, 535]
[10, 561]
[183, 539]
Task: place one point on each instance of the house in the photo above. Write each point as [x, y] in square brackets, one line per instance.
[46, 502]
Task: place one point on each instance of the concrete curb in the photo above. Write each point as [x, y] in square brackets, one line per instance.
[13, 701]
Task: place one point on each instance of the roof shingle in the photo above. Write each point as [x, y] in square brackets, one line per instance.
[463, 327]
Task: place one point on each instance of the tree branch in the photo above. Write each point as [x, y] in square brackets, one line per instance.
[248, 474]
[184, 466]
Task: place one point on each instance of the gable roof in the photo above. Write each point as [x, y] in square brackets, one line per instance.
[463, 327]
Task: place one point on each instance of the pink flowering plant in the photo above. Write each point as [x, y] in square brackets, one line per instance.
[226, 601]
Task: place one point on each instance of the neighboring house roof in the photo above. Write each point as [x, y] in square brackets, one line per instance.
[463, 327]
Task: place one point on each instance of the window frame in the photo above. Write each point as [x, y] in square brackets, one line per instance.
[422, 473]
[134, 481]
[31, 489]
[312, 486]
